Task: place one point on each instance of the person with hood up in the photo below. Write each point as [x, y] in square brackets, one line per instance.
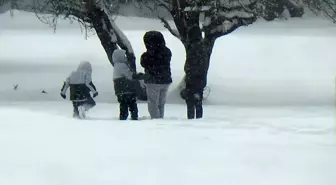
[80, 83]
[124, 85]
[156, 63]
[196, 69]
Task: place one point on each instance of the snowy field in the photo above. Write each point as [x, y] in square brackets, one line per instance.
[270, 117]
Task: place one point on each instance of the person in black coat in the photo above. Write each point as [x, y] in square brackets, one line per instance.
[196, 69]
[156, 64]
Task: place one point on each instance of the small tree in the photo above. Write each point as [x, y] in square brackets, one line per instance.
[326, 8]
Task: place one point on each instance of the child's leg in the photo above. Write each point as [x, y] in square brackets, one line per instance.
[123, 106]
[89, 104]
[81, 110]
[153, 97]
[190, 108]
[198, 105]
[199, 110]
[75, 109]
[133, 107]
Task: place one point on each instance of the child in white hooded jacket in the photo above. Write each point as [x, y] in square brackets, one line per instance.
[80, 83]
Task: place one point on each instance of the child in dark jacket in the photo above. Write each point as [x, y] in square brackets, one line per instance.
[80, 83]
[124, 85]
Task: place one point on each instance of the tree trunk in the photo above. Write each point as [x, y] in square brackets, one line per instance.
[109, 40]
[204, 63]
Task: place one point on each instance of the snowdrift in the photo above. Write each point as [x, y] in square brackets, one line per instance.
[268, 63]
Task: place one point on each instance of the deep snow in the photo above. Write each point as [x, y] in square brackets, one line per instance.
[269, 118]
[41, 144]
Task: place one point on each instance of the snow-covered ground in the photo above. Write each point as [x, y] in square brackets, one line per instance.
[41, 144]
[270, 117]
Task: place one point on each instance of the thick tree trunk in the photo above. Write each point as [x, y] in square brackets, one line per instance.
[204, 63]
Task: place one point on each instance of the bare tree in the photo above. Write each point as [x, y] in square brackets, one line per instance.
[91, 14]
[214, 19]
[326, 8]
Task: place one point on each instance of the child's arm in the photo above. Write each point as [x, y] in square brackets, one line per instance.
[127, 72]
[94, 87]
[88, 82]
[65, 87]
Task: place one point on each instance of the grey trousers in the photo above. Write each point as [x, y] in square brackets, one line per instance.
[156, 97]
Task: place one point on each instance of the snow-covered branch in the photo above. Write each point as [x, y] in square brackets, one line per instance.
[235, 13]
[224, 20]
[324, 7]
[170, 29]
[122, 39]
[232, 4]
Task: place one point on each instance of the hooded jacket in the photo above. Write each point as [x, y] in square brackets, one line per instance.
[156, 60]
[80, 83]
[122, 74]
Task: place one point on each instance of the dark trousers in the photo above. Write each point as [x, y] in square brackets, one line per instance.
[127, 102]
[194, 105]
[88, 104]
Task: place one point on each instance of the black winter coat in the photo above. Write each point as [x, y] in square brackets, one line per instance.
[79, 92]
[80, 83]
[124, 86]
[156, 60]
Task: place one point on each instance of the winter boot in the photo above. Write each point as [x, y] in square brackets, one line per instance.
[82, 113]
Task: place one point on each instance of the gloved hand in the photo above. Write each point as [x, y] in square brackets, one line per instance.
[139, 76]
[95, 94]
[63, 96]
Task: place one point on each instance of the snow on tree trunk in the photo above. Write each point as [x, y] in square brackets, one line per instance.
[106, 35]
[125, 44]
[110, 35]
